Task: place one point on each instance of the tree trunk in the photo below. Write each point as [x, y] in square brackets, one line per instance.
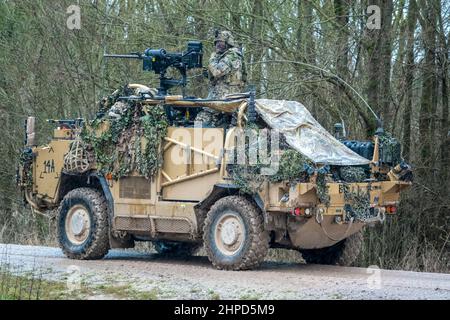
[256, 29]
[429, 86]
[341, 10]
[378, 45]
[409, 77]
[445, 123]
[386, 55]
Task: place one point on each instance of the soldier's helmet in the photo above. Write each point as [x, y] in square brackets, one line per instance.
[226, 37]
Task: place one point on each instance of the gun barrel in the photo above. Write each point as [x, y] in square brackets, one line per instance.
[123, 56]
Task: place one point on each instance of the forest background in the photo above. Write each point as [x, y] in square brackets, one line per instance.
[395, 54]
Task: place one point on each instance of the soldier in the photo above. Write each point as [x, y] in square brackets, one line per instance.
[226, 73]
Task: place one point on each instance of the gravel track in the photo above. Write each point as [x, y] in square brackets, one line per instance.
[195, 278]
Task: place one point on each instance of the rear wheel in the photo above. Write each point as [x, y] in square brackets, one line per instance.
[82, 224]
[176, 249]
[234, 234]
[343, 253]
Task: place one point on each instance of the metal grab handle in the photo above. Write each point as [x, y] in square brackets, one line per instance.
[241, 114]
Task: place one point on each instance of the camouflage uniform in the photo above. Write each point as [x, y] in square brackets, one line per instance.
[226, 73]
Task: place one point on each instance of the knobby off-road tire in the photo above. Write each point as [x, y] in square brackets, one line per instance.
[343, 253]
[83, 225]
[234, 235]
[176, 249]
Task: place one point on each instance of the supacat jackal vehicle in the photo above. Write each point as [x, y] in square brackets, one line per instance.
[142, 170]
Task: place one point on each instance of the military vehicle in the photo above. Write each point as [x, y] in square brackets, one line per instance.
[140, 172]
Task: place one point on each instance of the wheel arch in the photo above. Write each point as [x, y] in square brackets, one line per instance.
[69, 182]
[220, 191]
[98, 182]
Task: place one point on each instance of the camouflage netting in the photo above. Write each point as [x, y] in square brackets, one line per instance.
[79, 159]
[245, 176]
[352, 174]
[26, 160]
[154, 126]
[296, 168]
[293, 168]
[311, 152]
[322, 189]
[357, 204]
[131, 141]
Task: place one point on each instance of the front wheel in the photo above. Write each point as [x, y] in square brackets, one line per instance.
[82, 224]
[234, 234]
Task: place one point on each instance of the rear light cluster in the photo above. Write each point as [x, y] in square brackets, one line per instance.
[298, 212]
[391, 209]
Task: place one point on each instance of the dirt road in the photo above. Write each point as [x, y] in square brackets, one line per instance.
[172, 278]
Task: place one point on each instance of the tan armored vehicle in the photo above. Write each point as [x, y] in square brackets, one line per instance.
[184, 204]
[181, 204]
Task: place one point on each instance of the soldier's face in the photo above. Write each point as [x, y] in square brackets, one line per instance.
[220, 46]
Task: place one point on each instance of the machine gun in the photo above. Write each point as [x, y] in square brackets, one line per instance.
[67, 123]
[159, 60]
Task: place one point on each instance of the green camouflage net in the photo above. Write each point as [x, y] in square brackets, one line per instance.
[26, 160]
[322, 189]
[357, 203]
[154, 126]
[352, 174]
[247, 177]
[293, 168]
[120, 149]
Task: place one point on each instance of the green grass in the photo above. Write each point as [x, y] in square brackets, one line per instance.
[33, 287]
[250, 295]
[336, 296]
[213, 295]
[25, 287]
[127, 291]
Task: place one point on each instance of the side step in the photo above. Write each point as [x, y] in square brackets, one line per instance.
[153, 224]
